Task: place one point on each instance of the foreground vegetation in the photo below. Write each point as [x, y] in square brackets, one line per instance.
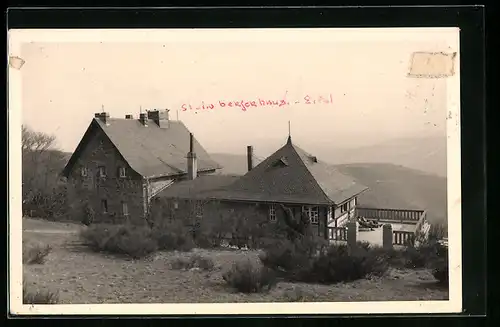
[200, 275]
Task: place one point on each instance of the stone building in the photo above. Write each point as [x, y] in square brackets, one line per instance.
[120, 164]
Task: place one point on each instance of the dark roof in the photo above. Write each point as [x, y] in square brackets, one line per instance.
[150, 151]
[189, 189]
[290, 175]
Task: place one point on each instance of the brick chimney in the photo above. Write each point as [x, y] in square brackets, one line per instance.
[102, 116]
[192, 168]
[143, 118]
[250, 157]
[160, 117]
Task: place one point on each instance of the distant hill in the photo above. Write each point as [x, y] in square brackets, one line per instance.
[391, 186]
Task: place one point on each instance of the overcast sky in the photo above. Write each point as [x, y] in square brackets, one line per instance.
[373, 100]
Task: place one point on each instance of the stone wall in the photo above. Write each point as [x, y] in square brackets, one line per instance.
[93, 188]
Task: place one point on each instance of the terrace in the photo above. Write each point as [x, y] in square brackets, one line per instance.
[406, 225]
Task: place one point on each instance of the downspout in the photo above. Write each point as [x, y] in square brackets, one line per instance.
[145, 192]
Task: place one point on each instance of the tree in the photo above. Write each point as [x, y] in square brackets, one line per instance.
[41, 165]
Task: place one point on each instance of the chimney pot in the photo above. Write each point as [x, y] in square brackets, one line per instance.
[250, 157]
[160, 117]
[143, 119]
[103, 116]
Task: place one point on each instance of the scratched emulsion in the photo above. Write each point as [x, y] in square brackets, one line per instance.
[432, 64]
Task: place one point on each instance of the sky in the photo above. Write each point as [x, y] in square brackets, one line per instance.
[364, 79]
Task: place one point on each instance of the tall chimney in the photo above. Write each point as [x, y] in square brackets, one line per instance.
[143, 119]
[160, 117]
[192, 169]
[103, 116]
[250, 157]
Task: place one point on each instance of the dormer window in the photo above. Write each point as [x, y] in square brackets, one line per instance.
[313, 158]
[102, 171]
[282, 162]
[122, 172]
[84, 172]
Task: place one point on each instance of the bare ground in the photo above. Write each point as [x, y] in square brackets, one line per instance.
[81, 276]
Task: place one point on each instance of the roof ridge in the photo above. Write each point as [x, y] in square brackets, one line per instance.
[295, 147]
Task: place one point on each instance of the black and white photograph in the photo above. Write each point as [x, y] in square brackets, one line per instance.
[210, 171]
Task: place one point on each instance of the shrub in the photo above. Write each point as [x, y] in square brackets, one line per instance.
[39, 296]
[35, 253]
[440, 271]
[249, 277]
[129, 240]
[425, 255]
[343, 264]
[173, 236]
[194, 261]
[290, 260]
[88, 214]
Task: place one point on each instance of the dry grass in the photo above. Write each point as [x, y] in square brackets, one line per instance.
[84, 277]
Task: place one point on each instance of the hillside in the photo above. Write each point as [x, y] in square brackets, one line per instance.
[391, 186]
[426, 154]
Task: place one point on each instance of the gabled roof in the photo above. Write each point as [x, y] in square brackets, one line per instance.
[151, 151]
[290, 175]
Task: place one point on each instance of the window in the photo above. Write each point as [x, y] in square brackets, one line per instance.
[198, 209]
[104, 206]
[102, 171]
[312, 213]
[84, 172]
[272, 212]
[122, 172]
[344, 208]
[176, 205]
[329, 214]
[125, 208]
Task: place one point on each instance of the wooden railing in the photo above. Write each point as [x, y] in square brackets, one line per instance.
[402, 237]
[337, 234]
[391, 215]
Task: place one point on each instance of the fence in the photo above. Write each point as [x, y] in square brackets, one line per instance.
[337, 233]
[389, 237]
[391, 215]
[403, 238]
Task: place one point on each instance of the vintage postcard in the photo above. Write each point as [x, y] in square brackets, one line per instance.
[234, 171]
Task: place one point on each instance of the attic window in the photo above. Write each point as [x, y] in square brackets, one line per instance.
[84, 171]
[122, 172]
[102, 171]
[281, 162]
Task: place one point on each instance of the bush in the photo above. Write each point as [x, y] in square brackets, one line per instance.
[425, 255]
[129, 240]
[290, 260]
[39, 296]
[173, 236]
[440, 272]
[35, 253]
[343, 264]
[194, 261]
[88, 215]
[249, 277]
